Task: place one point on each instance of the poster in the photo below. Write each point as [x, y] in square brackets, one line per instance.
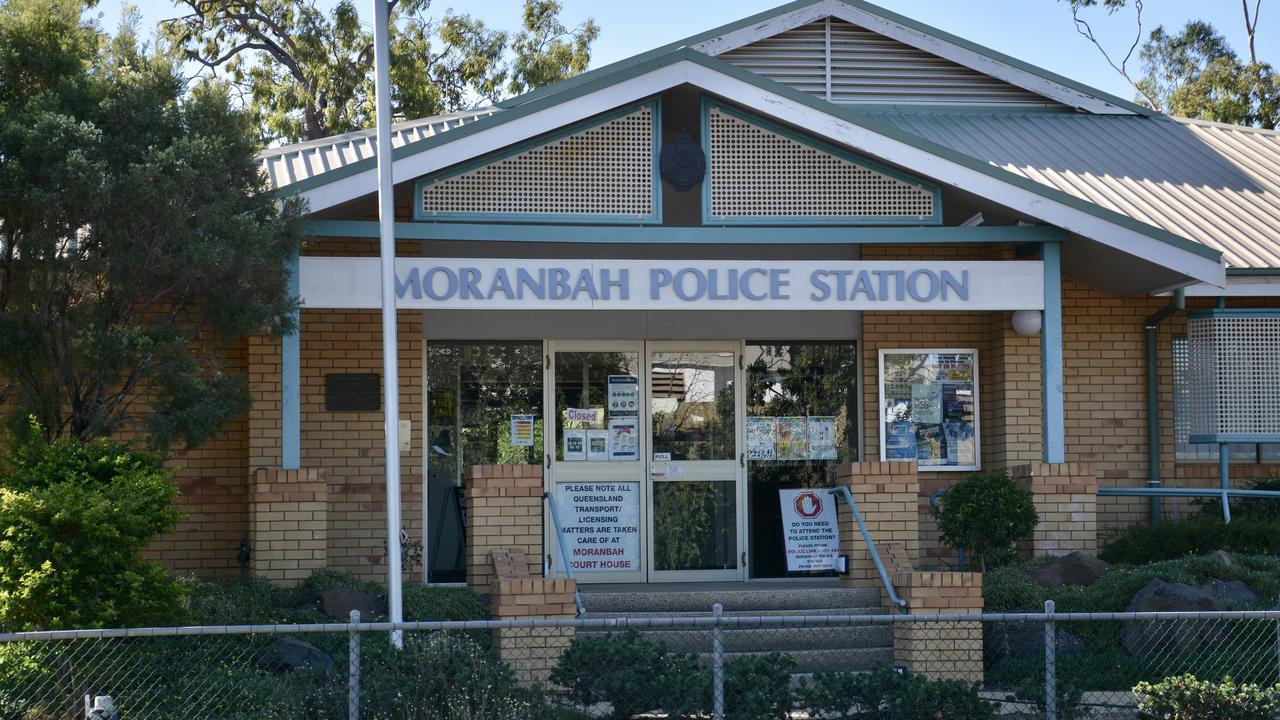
[601, 525]
[926, 403]
[809, 530]
[822, 438]
[762, 438]
[961, 449]
[597, 445]
[957, 401]
[588, 416]
[793, 438]
[522, 430]
[931, 444]
[900, 441]
[624, 442]
[624, 394]
[575, 444]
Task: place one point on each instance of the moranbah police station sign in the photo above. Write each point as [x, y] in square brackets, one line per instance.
[490, 284]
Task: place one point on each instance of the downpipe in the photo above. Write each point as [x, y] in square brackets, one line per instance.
[1151, 325]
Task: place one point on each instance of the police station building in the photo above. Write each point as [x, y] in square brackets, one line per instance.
[687, 295]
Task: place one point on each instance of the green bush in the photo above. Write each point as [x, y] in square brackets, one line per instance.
[633, 675]
[1187, 698]
[984, 515]
[1260, 509]
[1139, 544]
[758, 687]
[74, 520]
[885, 694]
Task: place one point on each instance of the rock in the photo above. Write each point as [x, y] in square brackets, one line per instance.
[1223, 557]
[1142, 637]
[288, 654]
[1230, 592]
[338, 603]
[1073, 569]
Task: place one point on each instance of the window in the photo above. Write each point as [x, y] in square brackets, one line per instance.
[1185, 451]
[929, 408]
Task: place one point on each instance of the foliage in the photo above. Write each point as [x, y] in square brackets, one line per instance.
[885, 694]
[758, 687]
[1250, 509]
[1138, 544]
[1187, 698]
[137, 241]
[984, 515]
[308, 75]
[633, 675]
[76, 518]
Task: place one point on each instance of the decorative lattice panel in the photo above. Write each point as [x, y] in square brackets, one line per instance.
[1234, 373]
[756, 172]
[603, 171]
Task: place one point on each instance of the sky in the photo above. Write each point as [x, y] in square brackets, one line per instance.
[1037, 31]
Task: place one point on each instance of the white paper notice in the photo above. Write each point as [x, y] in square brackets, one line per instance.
[601, 525]
[597, 445]
[522, 430]
[624, 394]
[809, 529]
[575, 444]
[624, 441]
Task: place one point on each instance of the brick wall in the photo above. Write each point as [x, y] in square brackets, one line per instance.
[888, 497]
[1066, 498]
[288, 523]
[532, 652]
[941, 651]
[504, 510]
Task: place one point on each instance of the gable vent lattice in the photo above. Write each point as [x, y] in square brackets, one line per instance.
[756, 172]
[603, 171]
[847, 64]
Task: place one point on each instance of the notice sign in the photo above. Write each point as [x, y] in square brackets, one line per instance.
[601, 525]
[624, 395]
[809, 529]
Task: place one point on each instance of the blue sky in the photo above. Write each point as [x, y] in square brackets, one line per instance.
[1037, 31]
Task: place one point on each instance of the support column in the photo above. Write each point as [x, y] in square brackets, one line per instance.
[532, 652]
[1066, 500]
[504, 511]
[291, 383]
[1051, 351]
[888, 496]
[288, 523]
[949, 650]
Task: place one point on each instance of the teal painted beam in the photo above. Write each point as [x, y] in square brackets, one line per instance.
[291, 383]
[790, 235]
[1051, 356]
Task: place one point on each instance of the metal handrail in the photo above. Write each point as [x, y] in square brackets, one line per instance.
[564, 552]
[1223, 493]
[843, 492]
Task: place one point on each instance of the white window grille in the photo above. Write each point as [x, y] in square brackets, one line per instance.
[1233, 362]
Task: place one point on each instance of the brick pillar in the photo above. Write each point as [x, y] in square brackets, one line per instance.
[941, 650]
[532, 652]
[887, 494]
[1066, 499]
[288, 524]
[504, 510]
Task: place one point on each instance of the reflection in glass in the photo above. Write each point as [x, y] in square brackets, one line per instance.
[692, 399]
[694, 526]
[794, 385]
[473, 389]
[929, 412]
[584, 431]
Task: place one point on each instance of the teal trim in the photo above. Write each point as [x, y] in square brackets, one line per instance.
[1234, 312]
[1253, 272]
[1183, 492]
[662, 235]
[1051, 353]
[655, 141]
[843, 113]
[1219, 438]
[291, 381]
[707, 190]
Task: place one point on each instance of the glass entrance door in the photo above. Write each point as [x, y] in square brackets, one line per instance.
[695, 462]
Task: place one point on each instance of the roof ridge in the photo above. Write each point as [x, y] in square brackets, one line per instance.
[1224, 125]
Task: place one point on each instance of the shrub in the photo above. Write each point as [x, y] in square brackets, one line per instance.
[984, 515]
[633, 675]
[1187, 698]
[1139, 544]
[1260, 509]
[758, 687]
[75, 519]
[885, 694]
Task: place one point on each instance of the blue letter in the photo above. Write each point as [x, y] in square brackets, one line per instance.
[559, 283]
[658, 278]
[933, 285]
[778, 283]
[623, 283]
[961, 286]
[746, 284]
[450, 283]
[413, 282]
[863, 285]
[818, 281]
[587, 284]
[537, 287]
[501, 284]
[700, 285]
[470, 281]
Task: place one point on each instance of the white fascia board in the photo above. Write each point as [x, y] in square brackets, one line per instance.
[523, 128]
[1236, 287]
[766, 29]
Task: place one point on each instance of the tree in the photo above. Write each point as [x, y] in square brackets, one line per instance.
[308, 75]
[138, 241]
[1193, 73]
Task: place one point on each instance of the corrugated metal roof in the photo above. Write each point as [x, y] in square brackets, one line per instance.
[1216, 184]
[844, 63]
[289, 164]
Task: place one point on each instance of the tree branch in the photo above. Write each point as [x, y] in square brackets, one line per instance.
[1083, 28]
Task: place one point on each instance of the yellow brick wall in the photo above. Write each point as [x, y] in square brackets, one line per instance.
[888, 497]
[940, 650]
[532, 652]
[288, 524]
[504, 510]
[1066, 498]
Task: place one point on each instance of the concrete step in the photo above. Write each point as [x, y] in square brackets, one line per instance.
[872, 610]
[692, 599]
[788, 640]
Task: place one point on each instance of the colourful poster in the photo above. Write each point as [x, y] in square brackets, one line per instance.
[624, 442]
[822, 438]
[931, 445]
[762, 438]
[926, 403]
[793, 438]
[522, 430]
[899, 441]
[957, 401]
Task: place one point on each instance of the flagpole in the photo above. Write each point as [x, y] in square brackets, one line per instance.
[390, 358]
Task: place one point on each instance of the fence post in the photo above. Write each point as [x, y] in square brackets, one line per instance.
[353, 669]
[717, 664]
[1050, 664]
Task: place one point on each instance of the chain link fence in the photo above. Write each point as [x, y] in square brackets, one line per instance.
[723, 666]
